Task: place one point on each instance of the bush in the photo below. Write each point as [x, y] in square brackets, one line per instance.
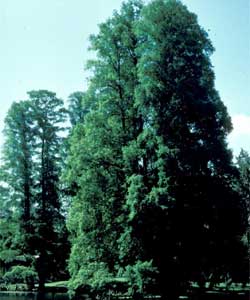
[21, 274]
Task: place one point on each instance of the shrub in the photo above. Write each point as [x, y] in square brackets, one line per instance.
[21, 274]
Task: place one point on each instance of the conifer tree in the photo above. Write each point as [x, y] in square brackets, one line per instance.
[184, 217]
[155, 198]
[48, 116]
[95, 158]
[30, 186]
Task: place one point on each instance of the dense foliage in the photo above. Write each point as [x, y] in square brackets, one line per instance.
[30, 174]
[153, 201]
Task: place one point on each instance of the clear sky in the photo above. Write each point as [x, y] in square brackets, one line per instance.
[44, 46]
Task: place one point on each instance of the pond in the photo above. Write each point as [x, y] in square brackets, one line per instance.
[64, 296]
[32, 296]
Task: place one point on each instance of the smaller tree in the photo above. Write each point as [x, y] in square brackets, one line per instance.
[48, 116]
[243, 163]
[17, 158]
[33, 224]
[241, 266]
[16, 177]
[77, 108]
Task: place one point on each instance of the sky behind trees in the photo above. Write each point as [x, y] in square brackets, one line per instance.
[44, 46]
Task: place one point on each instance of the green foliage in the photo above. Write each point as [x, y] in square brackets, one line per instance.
[152, 172]
[242, 186]
[78, 107]
[156, 200]
[140, 276]
[17, 170]
[95, 160]
[33, 225]
[243, 163]
[94, 278]
[10, 243]
[21, 274]
[8, 234]
[8, 255]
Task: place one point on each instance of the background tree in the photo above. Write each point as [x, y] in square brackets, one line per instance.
[31, 190]
[17, 182]
[243, 163]
[77, 107]
[48, 116]
[241, 266]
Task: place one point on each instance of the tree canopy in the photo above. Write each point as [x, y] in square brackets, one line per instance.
[143, 179]
[154, 175]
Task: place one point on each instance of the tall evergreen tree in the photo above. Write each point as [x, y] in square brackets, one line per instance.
[48, 115]
[181, 196]
[29, 178]
[155, 195]
[95, 159]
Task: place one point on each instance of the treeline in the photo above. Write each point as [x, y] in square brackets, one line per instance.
[143, 178]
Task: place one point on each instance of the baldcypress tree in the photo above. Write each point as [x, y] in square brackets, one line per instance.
[30, 186]
[184, 218]
[48, 116]
[153, 176]
[95, 162]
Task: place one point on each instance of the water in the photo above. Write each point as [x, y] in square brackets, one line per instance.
[60, 296]
[32, 296]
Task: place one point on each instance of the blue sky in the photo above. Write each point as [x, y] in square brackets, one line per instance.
[44, 46]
